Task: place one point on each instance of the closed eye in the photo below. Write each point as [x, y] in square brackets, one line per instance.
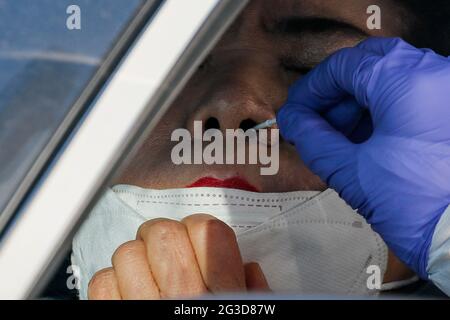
[296, 69]
[291, 65]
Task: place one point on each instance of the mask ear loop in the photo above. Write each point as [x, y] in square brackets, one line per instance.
[399, 284]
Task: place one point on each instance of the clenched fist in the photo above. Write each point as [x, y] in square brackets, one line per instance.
[171, 259]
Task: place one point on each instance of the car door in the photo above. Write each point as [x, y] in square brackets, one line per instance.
[65, 128]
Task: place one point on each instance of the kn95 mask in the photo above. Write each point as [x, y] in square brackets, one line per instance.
[305, 242]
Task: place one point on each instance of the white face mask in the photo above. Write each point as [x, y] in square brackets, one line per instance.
[305, 242]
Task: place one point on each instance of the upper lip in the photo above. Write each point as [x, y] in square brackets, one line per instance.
[231, 183]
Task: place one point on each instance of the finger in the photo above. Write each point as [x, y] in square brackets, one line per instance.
[363, 129]
[255, 278]
[217, 253]
[345, 116]
[104, 286]
[382, 46]
[133, 273]
[346, 72]
[326, 151]
[171, 258]
[322, 148]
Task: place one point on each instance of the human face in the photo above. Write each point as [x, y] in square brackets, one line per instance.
[245, 80]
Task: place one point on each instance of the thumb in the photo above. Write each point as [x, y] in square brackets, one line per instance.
[326, 151]
[345, 116]
[254, 278]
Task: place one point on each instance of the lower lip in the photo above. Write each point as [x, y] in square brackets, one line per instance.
[231, 183]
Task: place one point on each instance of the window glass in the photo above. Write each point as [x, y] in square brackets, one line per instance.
[49, 50]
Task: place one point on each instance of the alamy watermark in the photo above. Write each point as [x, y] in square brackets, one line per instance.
[73, 21]
[374, 279]
[235, 147]
[74, 278]
[374, 19]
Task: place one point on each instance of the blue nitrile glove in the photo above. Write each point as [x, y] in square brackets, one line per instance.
[398, 179]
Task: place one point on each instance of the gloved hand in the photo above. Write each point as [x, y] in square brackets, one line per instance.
[399, 178]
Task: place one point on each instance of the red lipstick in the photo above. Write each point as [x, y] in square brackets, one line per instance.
[231, 183]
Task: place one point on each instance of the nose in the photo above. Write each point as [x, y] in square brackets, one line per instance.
[240, 99]
[232, 112]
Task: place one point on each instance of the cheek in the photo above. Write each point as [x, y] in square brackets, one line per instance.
[298, 176]
[262, 81]
[293, 175]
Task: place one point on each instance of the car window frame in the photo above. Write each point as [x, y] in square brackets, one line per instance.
[40, 235]
[76, 111]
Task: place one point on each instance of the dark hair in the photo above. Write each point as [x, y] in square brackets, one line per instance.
[430, 25]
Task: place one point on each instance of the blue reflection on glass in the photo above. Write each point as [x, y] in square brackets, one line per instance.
[44, 68]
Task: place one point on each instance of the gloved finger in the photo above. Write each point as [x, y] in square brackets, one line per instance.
[322, 148]
[346, 72]
[363, 129]
[382, 46]
[345, 116]
[133, 272]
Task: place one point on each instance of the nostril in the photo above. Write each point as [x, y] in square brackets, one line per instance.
[247, 124]
[212, 123]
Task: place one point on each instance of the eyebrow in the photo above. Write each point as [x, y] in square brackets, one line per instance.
[297, 26]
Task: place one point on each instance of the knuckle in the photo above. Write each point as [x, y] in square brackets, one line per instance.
[215, 227]
[161, 228]
[341, 53]
[398, 41]
[101, 283]
[128, 251]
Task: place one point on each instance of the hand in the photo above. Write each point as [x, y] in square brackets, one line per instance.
[399, 178]
[171, 259]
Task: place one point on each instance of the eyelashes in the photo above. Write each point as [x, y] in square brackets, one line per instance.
[295, 67]
[292, 66]
[293, 71]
